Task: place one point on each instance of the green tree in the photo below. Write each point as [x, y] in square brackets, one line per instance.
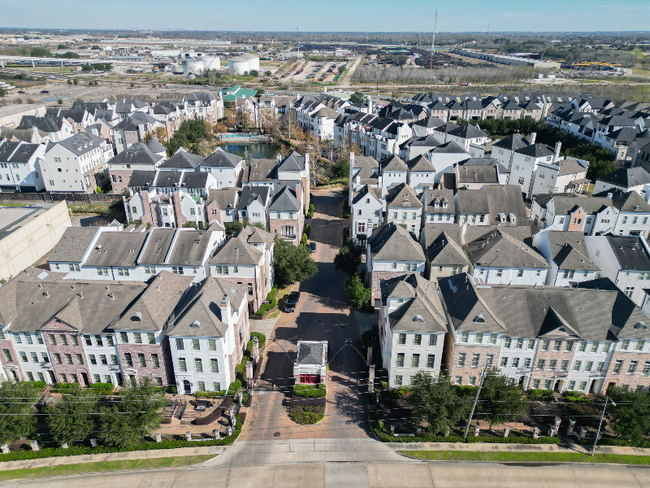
[128, 421]
[71, 419]
[341, 169]
[60, 101]
[631, 415]
[357, 97]
[3, 92]
[75, 82]
[500, 399]
[348, 258]
[69, 82]
[16, 410]
[358, 292]
[40, 52]
[292, 263]
[436, 402]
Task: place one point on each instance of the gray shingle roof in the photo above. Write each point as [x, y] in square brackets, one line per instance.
[513, 142]
[118, 249]
[393, 163]
[569, 251]
[375, 192]
[476, 174]
[536, 150]
[81, 143]
[293, 162]
[155, 146]
[627, 177]
[137, 153]
[390, 242]
[420, 164]
[591, 205]
[225, 198]
[182, 160]
[494, 200]
[402, 196]
[431, 197]
[629, 252]
[498, 249]
[221, 159]
[446, 251]
[249, 194]
[236, 251]
[72, 245]
[629, 201]
[311, 352]
[260, 170]
[284, 200]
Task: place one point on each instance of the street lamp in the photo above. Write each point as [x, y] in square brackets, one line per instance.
[600, 424]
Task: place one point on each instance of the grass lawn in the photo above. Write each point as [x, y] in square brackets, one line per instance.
[569, 457]
[64, 469]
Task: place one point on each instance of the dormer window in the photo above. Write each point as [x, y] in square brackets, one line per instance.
[479, 319]
[502, 217]
[418, 318]
[512, 218]
[445, 204]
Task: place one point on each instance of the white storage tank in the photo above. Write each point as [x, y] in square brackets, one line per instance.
[253, 61]
[193, 66]
[238, 66]
[211, 62]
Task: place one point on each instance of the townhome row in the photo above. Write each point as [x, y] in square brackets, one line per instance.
[82, 331]
[584, 339]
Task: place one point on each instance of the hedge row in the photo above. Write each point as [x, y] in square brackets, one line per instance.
[310, 391]
[145, 446]
[512, 439]
[267, 307]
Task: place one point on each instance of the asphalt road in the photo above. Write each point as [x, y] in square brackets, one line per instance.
[322, 313]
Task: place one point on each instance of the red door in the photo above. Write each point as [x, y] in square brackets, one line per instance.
[313, 379]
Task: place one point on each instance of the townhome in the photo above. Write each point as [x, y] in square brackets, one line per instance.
[624, 179]
[286, 218]
[227, 168]
[85, 332]
[491, 108]
[499, 258]
[532, 110]
[137, 157]
[491, 205]
[394, 171]
[574, 342]
[247, 259]
[76, 164]
[170, 115]
[168, 198]
[43, 129]
[204, 105]
[609, 125]
[182, 161]
[534, 168]
[473, 109]
[439, 110]
[510, 110]
[366, 213]
[623, 259]
[633, 213]
[133, 129]
[391, 251]
[404, 208]
[412, 328]
[455, 111]
[126, 108]
[426, 127]
[572, 176]
[422, 174]
[439, 206]
[141, 330]
[417, 146]
[364, 170]
[20, 166]
[444, 157]
[504, 150]
[442, 244]
[470, 138]
[254, 204]
[106, 253]
[209, 336]
[470, 177]
[591, 104]
[502, 173]
[221, 205]
[567, 255]
[589, 215]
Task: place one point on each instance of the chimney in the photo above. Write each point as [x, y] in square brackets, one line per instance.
[558, 148]
[610, 195]
[224, 305]
[533, 138]
[369, 106]
[299, 193]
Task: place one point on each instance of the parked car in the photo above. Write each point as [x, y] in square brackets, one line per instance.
[51, 77]
[45, 91]
[21, 92]
[312, 246]
[291, 301]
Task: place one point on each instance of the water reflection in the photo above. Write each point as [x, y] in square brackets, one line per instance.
[253, 150]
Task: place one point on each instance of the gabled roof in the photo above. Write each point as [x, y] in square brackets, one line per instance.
[566, 204]
[200, 315]
[425, 141]
[137, 153]
[439, 197]
[446, 251]
[142, 178]
[116, 249]
[155, 146]
[182, 160]
[494, 200]
[449, 148]
[237, 251]
[497, 249]
[536, 150]
[390, 242]
[402, 196]
[629, 252]
[420, 164]
[368, 191]
[80, 143]
[293, 162]
[255, 235]
[468, 131]
[512, 143]
[224, 198]
[250, 194]
[422, 311]
[569, 251]
[430, 122]
[393, 163]
[284, 200]
[431, 232]
[629, 201]
[221, 159]
[627, 177]
[570, 166]
[260, 170]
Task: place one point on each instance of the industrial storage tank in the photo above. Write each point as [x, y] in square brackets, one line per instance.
[238, 66]
[253, 61]
[193, 66]
[211, 62]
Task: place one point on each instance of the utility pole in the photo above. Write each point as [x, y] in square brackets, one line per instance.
[298, 41]
[478, 392]
[433, 41]
[600, 424]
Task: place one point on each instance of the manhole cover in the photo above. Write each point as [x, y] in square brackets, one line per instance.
[277, 434]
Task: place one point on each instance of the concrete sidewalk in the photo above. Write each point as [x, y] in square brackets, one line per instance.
[113, 456]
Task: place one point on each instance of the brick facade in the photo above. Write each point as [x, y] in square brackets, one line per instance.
[468, 371]
[178, 214]
[577, 220]
[275, 225]
[12, 368]
[556, 376]
[120, 179]
[214, 213]
[255, 300]
[632, 380]
[64, 342]
[136, 369]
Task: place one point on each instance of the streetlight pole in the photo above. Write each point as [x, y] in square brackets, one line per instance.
[478, 392]
[600, 424]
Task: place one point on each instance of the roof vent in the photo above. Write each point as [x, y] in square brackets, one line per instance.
[137, 317]
[636, 207]
[195, 325]
[479, 319]
[418, 318]
[640, 325]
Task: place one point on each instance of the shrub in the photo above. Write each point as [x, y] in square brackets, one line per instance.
[310, 212]
[576, 397]
[66, 387]
[261, 343]
[308, 411]
[310, 391]
[267, 307]
[544, 395]
[307, 230]
[210, 394]
[36, 384]
[103, 388]
[235, 386]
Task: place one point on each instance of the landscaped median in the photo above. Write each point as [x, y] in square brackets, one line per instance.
[537, 457]
[308, 403]
[65, 469]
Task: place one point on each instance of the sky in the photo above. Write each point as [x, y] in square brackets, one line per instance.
[331, 15]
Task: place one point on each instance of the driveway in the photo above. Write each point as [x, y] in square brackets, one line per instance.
[321, 314]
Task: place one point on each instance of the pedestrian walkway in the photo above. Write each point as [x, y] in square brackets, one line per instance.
[113, 456]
